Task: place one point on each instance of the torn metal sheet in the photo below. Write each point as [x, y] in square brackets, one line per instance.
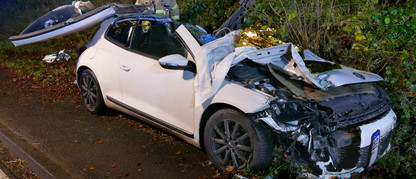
[207, 59]
[216, 58]
[310, 56]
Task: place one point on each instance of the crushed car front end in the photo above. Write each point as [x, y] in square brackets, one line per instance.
[335, 137]
[333, 118]
[336, 131]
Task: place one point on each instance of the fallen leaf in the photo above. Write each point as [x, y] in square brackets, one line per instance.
[229, 169]
[178, 152]
[98, 141]
[139, 170]
[173, 156]
[107, 174]
[113, 165]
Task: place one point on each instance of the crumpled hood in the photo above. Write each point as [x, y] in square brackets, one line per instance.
[288, 60]
[214, 60]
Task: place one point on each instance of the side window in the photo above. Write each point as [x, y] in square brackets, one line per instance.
[119, 33]
[154, 39]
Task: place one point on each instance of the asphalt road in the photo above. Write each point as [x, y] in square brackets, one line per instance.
[69, 142]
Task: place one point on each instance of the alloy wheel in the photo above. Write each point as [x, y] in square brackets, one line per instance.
[231, 143]
[89, 92]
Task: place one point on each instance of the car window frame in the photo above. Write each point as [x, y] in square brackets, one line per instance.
[125, 47]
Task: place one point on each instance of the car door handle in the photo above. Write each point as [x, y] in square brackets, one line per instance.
[125, 68]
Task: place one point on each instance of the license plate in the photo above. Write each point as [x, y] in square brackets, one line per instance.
[375, 141]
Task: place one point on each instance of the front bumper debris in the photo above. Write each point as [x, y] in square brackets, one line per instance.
[342, 152]
[354, 149]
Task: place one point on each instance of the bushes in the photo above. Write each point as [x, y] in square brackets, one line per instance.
[209, 14]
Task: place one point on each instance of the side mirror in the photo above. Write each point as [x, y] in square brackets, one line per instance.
[177, 62]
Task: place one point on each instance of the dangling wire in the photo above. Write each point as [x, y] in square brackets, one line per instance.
[217, 33]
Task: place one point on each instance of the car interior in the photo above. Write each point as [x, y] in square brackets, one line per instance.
[154, 39]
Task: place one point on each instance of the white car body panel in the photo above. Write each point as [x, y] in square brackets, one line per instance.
[384, 124]
[154, 90]
[247, 100]
[99, 58]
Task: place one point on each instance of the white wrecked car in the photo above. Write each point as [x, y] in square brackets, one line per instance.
[237, 103]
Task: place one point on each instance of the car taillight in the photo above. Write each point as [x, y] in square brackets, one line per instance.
[82, 49]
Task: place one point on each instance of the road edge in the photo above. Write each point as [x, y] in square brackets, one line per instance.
[48, 170]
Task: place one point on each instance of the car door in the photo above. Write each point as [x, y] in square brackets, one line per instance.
[165, 96]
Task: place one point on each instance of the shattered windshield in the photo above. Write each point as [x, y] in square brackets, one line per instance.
[197, 33]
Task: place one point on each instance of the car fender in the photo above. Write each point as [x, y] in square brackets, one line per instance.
[97, 59]
[245, 99]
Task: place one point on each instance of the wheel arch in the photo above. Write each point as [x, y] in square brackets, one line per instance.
[208, 113]
[100, 104]
[261, 129]
[80, 70]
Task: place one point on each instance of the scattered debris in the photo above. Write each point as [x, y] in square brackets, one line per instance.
[56, 57]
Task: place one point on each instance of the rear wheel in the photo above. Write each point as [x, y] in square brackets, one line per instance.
[231, 139]
[91, 93]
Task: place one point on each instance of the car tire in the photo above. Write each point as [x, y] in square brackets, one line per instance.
[233, 140]
[91, 92]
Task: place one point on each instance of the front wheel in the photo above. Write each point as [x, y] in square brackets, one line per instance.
[91, 93]
[231, 139]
